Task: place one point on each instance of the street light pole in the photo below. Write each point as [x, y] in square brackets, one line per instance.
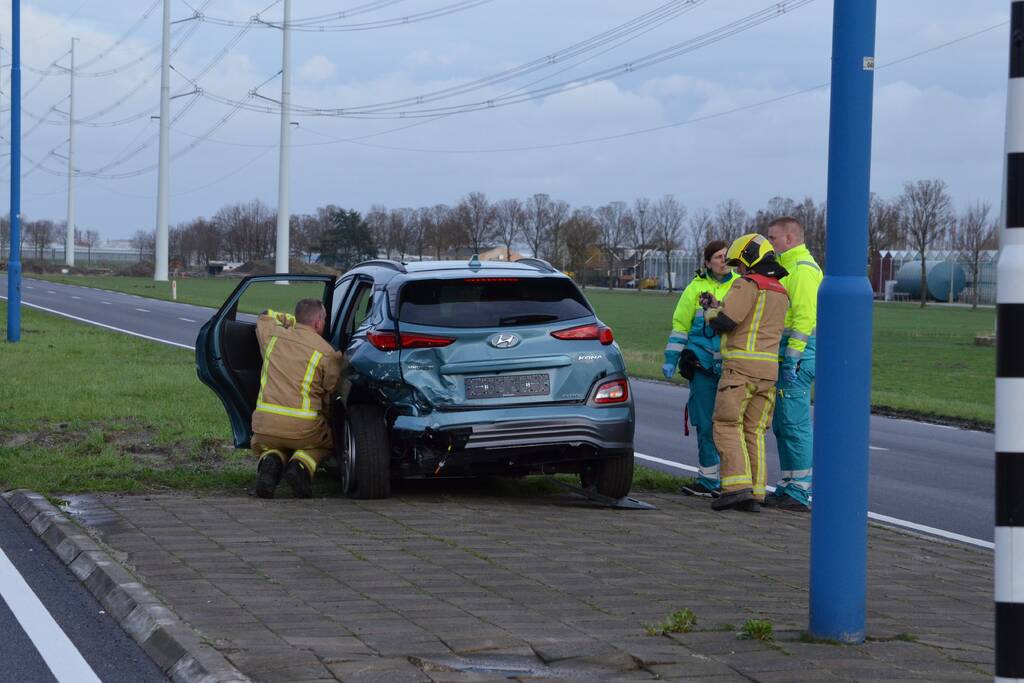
[69, 238]
[14, 262]
[842, 408]
[283, 216]
[163, 174]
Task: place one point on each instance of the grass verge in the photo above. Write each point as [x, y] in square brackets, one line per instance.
[925, 362]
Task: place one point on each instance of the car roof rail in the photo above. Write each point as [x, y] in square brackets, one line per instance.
[539, 264]
[383, 263]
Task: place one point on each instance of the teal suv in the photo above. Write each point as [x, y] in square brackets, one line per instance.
[456, 369]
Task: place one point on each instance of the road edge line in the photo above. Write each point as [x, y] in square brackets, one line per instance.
[103, 325]
[174, 647]
[885, 521]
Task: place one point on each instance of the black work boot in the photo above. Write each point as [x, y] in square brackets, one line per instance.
[700, 490]
[733, 499]
[785, 502]
[298, 478]
[268, 474]
[749, 506]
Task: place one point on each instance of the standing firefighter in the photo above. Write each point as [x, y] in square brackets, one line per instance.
[694, 348]
[291, 434]
[792, 424]
[750, 320]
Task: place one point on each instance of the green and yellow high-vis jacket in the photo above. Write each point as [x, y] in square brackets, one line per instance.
[802, 284]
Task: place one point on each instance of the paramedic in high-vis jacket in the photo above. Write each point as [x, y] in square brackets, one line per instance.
[291, 432]
[792, 424]
[694, 348]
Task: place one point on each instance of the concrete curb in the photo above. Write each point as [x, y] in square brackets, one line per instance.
[172, 645]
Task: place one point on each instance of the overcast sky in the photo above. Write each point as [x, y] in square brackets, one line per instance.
[937, 115]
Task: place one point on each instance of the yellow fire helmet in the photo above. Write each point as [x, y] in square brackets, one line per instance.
[749, 250]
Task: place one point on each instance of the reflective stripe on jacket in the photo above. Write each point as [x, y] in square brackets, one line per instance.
[802, 284]
[299, 374]
[688, 319]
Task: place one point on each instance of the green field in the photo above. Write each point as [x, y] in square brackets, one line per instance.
[925, 361]
[84, 409]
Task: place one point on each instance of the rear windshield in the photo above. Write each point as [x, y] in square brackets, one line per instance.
[491, 302]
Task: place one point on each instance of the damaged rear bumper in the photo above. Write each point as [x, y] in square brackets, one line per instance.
[542, 434]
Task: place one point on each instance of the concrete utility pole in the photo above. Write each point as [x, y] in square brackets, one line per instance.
[14, 262]
[163, 177]
[842, 408]
[1009, 532]
[69, 239]
[283, 216]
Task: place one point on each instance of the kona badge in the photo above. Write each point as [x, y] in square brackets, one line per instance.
[504, 341]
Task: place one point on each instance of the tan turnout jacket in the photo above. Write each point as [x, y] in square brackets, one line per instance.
[752, 347]
[300, 373]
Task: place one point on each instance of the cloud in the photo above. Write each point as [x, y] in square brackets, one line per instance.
[427, 57]
[316, 69]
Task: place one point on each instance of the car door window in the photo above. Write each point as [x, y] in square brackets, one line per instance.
[340, 290]
[361, 302]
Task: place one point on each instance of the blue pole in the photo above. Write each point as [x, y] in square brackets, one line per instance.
[14, 262]
[842, 407]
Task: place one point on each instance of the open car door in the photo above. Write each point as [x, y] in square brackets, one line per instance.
[228, 358]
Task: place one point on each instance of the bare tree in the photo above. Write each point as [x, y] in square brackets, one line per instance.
[613, 228]
[510, 217]
[669, 215]
[143, 240]
[701, 230]
[976, 234]
[477, 215]
[538, 222]
[812, 217]
[926, 213]
[92, 240]
[39, 234]
[883, 226]
[396, 234]
[642, 237]
[580, 233]
[553, 249]
[377, 220]
[731, 220]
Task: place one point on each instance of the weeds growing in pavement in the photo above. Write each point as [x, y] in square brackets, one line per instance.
[757, 629]
[680, 621]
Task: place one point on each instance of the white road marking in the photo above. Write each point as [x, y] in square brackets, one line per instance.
[142, 310]
[104, 325]
[76, 297]
[188, 320]
[877, 448]
[29, 287]
[914, 526]
[50, 291]
[106, 303]
[60, 654]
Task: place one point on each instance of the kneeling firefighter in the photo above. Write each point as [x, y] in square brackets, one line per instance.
[694, 348]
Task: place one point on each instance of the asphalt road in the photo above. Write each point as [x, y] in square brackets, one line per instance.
[107, 650]
[925, 474]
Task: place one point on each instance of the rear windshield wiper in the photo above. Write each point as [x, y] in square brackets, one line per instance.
[527, 319]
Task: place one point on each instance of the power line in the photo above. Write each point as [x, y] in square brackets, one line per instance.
[605, 138]
[387, 110]
[125, 36]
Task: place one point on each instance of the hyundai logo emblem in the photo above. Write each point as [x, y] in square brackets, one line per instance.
[504, 341]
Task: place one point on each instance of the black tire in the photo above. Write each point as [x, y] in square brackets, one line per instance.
[366, 464]
[613, 477]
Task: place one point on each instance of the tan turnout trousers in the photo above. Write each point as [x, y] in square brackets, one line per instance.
[743, 411]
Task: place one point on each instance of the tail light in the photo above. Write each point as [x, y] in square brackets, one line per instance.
[597, 331]
[389, 341]
[616, 391]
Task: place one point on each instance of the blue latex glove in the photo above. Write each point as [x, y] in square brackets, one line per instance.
[788, 373]
[668, 369]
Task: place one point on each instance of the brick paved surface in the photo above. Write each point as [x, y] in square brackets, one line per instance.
[439, 584]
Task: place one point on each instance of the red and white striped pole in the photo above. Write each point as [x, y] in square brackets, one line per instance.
[1009, 554]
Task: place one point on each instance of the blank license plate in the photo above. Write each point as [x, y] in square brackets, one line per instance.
[504, 386]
